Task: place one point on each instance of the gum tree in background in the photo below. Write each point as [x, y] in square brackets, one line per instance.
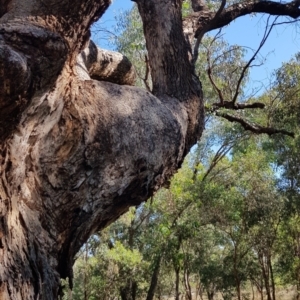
[79, 144]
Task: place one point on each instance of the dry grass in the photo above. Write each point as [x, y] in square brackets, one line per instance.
[289, 293]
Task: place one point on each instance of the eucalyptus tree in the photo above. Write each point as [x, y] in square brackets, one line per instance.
[284, 100]
[79, 145]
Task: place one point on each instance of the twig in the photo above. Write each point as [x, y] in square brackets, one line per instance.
[245, 68]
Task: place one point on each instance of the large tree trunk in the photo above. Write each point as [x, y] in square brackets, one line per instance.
[76, 152]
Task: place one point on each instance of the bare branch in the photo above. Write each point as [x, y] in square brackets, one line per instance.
[246, 67]
[220, 154]
[209, 69]
[238, 106]
[232, 104]
[255, 128]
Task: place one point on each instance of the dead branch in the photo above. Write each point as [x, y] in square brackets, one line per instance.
[255, 128]
[238, 106]
[246, 67]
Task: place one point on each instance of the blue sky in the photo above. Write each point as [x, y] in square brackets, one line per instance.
[282, 44]
[247, 31]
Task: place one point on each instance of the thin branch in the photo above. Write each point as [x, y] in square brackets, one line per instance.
[246, 67]
[220, 154]
[224, 53]
[232, 104]
[255, 128]
[209, 73]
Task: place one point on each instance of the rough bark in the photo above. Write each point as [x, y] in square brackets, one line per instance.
[76, 152]
[103, 65]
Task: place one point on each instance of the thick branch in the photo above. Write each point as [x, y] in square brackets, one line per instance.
[202, 18]
[105, 65]
[34, 50]
[237, 106]
[206, 28]
[255, 128]
[166, 48]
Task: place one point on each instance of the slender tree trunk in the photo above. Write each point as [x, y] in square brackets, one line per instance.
[297, 254]
[200, 290]
[261, 289]
[177, 282]
[188, 290]
[272, 277]
[210, 294]
[236, 275]
[154, 278]
[253, 292]
[85, 280]
[298, 291]
[265, 275]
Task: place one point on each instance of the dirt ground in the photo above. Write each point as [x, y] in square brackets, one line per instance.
[281, 294]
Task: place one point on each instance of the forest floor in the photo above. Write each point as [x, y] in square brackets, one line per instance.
[288, 293]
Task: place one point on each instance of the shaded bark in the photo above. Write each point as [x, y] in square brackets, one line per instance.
[198, 5]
